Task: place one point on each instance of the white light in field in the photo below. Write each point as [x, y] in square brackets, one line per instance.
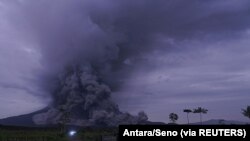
[72, 133]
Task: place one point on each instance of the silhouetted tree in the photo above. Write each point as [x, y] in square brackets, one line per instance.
[142, 116]
[200, 111]
[246, 112]
[221, 121]
[187, 111]
[173, 117]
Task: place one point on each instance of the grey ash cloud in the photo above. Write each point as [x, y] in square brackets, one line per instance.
[175, 53]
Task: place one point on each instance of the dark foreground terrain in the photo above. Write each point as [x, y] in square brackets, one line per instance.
[17, 133]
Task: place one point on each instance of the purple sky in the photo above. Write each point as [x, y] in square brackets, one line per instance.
[158, 56]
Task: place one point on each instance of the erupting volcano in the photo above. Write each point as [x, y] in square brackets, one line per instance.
[86, 100]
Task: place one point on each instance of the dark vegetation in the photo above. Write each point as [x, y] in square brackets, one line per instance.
[17, 133]
[246, 112]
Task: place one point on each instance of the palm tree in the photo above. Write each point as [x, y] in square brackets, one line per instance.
[246, 112]
[173, 117]
[187, 111]
[200, 111]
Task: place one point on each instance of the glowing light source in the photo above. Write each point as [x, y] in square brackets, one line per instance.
[72, 133]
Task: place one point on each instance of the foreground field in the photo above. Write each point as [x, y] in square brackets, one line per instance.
[8, 133]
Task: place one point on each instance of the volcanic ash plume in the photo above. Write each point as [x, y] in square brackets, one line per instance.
[86, 101]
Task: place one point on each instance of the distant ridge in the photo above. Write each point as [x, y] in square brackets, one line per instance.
[26, 121]
[22, 120]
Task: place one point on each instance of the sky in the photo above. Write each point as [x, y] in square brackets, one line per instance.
[158, 56]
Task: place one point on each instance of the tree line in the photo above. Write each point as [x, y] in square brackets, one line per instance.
[174, 117]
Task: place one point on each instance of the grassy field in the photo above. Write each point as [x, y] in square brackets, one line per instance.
[10, 133]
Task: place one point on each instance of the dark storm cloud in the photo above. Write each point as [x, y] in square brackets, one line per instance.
[107, 34]
[213, 76]
[157, 40]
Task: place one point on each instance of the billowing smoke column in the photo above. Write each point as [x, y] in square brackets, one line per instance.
[83, 60]
[86, 101]
[89, 47]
